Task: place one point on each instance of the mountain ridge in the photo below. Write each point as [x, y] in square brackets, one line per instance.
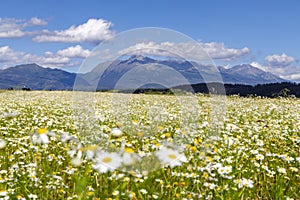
[40, 78]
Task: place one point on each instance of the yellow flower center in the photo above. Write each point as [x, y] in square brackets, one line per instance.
[90, 193]
[205, 175]
[128, 150]
[172, 156]
[42, 131]
[106, 160]
[194, 149]
[210, 158]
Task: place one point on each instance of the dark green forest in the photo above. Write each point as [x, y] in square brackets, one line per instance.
[285, 89]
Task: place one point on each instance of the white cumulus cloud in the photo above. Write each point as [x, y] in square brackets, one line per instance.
[220, 51]
[293, 77]
[74, 52]
[34, 21]
[7, 54]
[278, 71]
[93, 31]
[63, 58]
[282, 65]
[279, 60]
[188, 50]
[15, 28]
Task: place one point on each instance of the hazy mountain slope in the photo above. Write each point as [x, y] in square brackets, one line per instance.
[136, 71]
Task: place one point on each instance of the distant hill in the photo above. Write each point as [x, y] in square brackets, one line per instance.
[146, 69]
[248, 75]
[36, 77]
[133, 71]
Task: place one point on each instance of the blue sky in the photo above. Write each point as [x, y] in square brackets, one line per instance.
[264, 33]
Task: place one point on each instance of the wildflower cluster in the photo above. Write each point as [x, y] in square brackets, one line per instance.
[49, 151]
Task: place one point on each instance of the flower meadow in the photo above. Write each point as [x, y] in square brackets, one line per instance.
[137, 150]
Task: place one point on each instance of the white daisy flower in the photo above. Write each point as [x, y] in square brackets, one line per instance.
[221, 171]
[41, 137]
[3, 193]
[32, 196]
[170, 157]
[143, 191]
[76, 161]
[128, 159]
[2, 144]
[128, 156]
[228, 169]
[90, 151]
[116, 132]
[76, 151]
[105, 161]
[259, 156]
[239, 182]
[209, 185]
[247, 183]
[281, 170]
[259, 142]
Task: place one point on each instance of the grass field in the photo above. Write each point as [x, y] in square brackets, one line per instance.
[45, 153]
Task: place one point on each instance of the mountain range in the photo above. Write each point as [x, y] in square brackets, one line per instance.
[133, 72]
